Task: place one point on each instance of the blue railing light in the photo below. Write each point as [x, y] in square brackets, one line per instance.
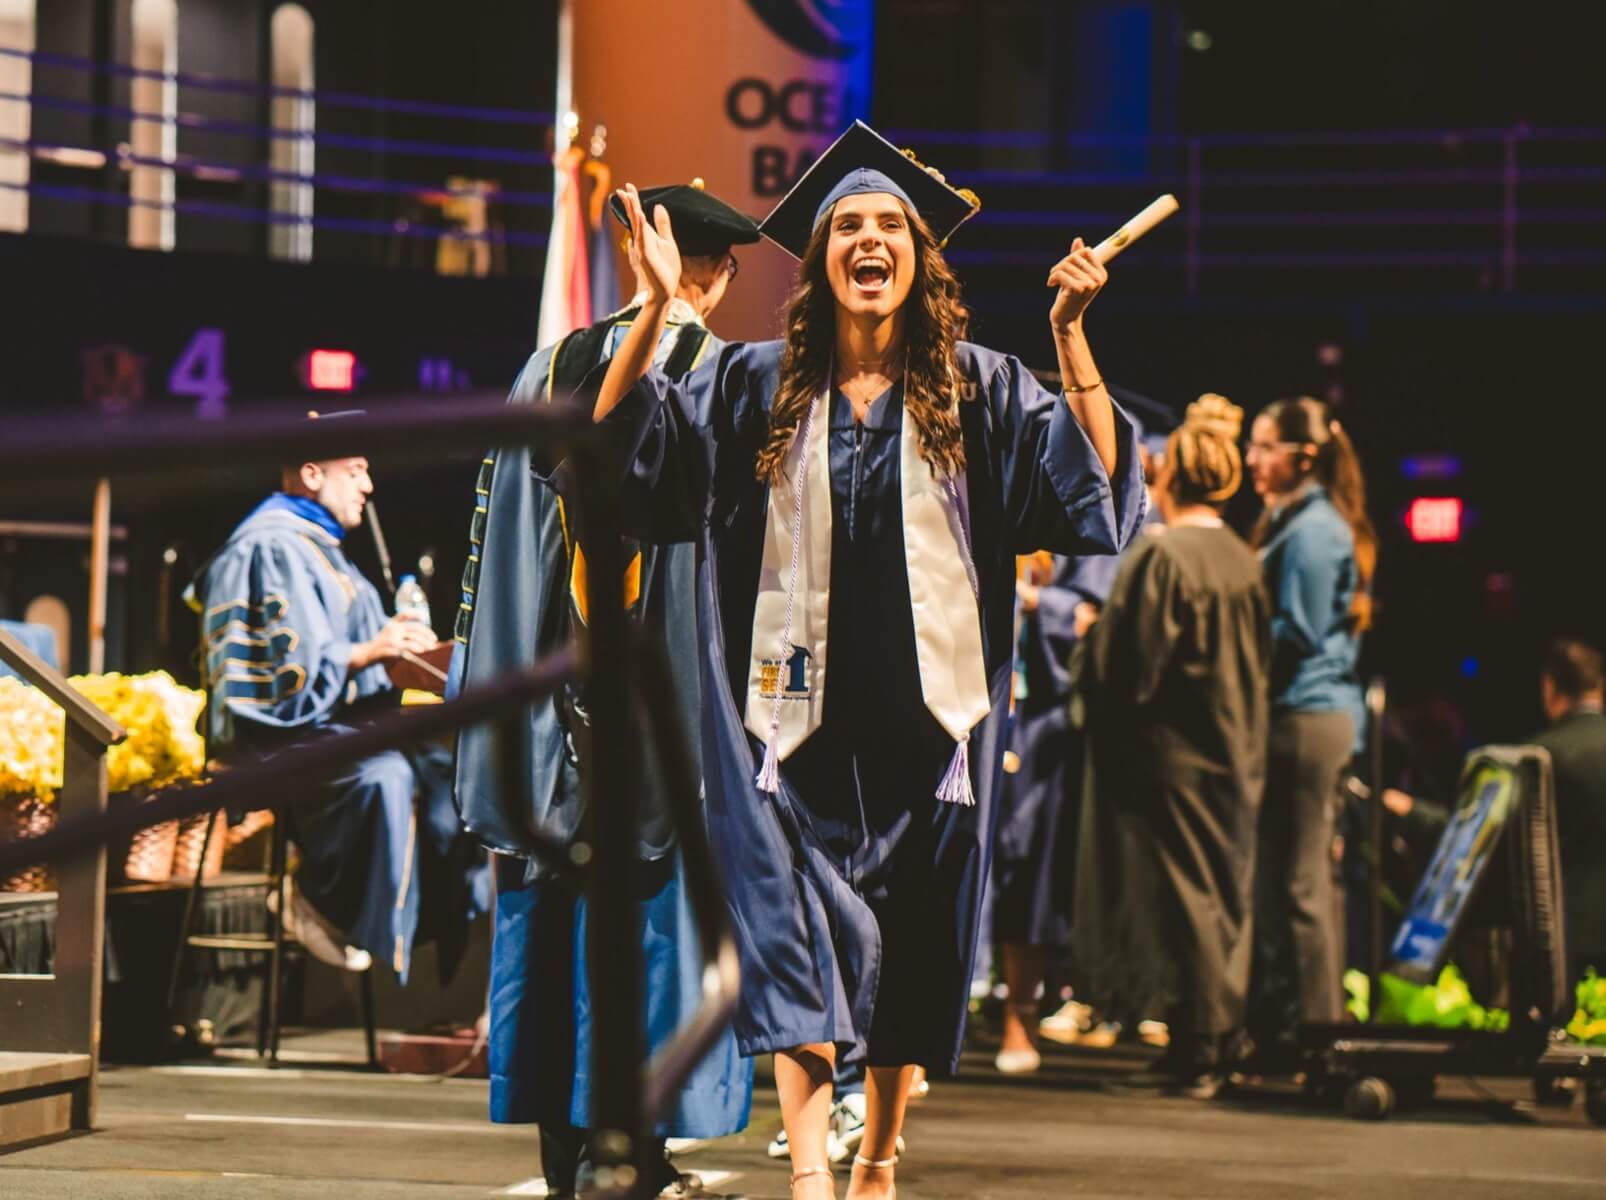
[1435, 465]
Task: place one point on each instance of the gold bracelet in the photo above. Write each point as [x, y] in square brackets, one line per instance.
[1097, 383]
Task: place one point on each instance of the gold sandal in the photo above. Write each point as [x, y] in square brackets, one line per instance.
[807, 1172]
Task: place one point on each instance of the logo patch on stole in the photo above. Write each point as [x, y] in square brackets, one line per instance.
[788, 676]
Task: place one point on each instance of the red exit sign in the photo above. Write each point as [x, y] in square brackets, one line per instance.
[331, 370]
[1434, 519]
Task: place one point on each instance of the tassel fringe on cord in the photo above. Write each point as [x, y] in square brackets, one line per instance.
[955, 785]
[769, 774]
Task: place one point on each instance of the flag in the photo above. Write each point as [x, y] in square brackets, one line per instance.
[566, 285]
[605, 297]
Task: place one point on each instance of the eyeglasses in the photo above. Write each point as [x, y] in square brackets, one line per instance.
[1269, 447]
[732, 267]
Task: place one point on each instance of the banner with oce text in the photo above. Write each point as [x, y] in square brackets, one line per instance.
[743, 94]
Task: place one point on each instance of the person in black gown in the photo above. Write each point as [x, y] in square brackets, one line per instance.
[1170, 683]
[864, 485]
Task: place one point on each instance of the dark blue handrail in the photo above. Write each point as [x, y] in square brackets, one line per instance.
[212, 168]
[218, 83]
[263, 216]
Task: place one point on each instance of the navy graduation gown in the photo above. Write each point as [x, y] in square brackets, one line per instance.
[1035, 797]
[854, 891]
[517, 607]
[1035, 861]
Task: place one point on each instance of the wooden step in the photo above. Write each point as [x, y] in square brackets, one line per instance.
[37, 1093]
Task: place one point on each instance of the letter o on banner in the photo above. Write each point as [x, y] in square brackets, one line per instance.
[745, 98]
[749, 104]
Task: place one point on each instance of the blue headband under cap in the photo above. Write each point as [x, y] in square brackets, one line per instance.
[862, 182]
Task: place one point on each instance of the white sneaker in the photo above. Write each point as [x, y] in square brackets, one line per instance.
[1073, 1025]
[1154, 1033]
[843, 1137]
[847, 1127]
[779, 1147]
[1018, 1062]
[306, 925]
[1102, 1036]
[1067, 1025]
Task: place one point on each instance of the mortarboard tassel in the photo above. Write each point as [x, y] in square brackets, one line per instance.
[955, 785]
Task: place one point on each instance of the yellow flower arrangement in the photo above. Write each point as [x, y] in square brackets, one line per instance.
[160, 716]
[30, 741]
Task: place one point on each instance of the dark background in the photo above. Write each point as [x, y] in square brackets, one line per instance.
[1421, 359]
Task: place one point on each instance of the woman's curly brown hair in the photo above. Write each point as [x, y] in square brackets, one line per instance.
[936, 320]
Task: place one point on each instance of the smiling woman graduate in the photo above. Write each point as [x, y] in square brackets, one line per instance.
[860, 491]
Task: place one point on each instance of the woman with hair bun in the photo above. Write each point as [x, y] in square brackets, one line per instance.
[1319, 550]
[1170, 687]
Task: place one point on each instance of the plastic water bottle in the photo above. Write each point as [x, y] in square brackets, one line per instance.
[411, 601]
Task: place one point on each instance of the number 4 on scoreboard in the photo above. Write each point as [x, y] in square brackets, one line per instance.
[199, 373]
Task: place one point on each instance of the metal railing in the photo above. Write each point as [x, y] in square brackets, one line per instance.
[374, 189]
[627, 681]
[1465, 211]
[1469, 211]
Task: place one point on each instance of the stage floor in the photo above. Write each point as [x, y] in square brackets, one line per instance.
[230, 1129]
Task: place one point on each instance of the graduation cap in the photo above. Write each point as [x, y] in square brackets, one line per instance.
[861, 161]
[314, 414]
[704, 225]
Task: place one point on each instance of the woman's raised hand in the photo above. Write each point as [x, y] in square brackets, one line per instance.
[655, 244]
[1079, 277]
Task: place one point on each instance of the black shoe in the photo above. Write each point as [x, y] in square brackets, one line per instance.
[1156, 1079]
[668, 1181]
[1162, 1079]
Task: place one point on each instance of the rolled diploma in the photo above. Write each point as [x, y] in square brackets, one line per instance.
[1158, 210]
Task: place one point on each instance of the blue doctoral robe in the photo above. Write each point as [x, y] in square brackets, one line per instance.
[854, 891]
[282, 606]
[519, 605]
[37, 638]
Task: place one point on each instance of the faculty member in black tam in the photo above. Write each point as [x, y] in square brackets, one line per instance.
[523, 598]
[860, 491]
